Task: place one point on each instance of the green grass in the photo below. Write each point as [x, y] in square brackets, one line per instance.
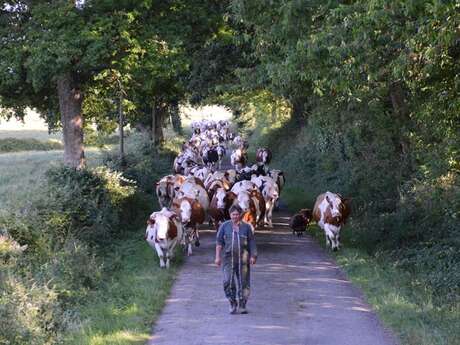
[123, 308]
[41, 135]
[22, 172]
[16, 145]
[122, 312]
[407, 309]
[402, 301]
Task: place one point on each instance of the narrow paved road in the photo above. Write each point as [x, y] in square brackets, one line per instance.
[299, 296]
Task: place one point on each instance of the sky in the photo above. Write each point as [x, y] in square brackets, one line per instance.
[34, 122]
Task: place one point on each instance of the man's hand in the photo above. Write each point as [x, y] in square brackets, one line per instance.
[252, 260]
[218, 261]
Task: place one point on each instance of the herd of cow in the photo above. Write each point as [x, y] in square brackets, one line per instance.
[199, 190]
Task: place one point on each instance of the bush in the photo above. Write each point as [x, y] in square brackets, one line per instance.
[100, 139]
[30, 312]
[423, 234]
[56, 247]
[14, 145]
[400, 210]
[86, 204]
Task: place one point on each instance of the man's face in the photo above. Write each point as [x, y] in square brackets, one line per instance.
[235, 216]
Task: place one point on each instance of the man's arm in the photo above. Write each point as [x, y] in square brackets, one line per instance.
[218, 259]
[252, 247]
[219, 245]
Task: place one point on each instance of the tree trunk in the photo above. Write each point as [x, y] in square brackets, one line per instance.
[158, 111]
[121, 121]
[298, 111]
[154, 121]
[398, 100]
[175, 117]
[401, 110]
[70, 104]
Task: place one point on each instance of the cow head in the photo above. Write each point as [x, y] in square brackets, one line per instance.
[270, 192]
[150, 224]
[185, 211]
[165, 192]
[160, 226]
[334, 202]
[338, 209]
[244, 200]
[220, 195]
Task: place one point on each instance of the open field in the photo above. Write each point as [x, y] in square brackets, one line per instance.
[22, 172]
[41, 135]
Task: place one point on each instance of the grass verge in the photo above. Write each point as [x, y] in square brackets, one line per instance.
[17, 145]
[404, 304]
[22, 172]
[132, 295]
[407, 309]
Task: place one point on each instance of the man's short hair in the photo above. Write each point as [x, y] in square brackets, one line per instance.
[235, 208]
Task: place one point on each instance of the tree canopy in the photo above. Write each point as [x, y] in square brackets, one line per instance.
[60, 57]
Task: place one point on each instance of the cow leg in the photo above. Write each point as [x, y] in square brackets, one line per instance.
[197, 238]
[188, 241]
[332, 233]
[168, 258]
[269, 213]
[160, 254]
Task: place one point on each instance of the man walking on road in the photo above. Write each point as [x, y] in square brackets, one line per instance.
[237, 240]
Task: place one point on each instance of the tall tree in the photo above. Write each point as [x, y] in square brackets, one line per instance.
[50, 52]
[56, 53]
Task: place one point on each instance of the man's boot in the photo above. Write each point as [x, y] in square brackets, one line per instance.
[233, 307]
[242, 307]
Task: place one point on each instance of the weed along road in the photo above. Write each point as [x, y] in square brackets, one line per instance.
[298, 296]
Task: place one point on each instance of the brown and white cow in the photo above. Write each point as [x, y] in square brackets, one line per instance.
[163, 232]
[200, 172]
[238, 158]
[279, 177]
[216, 184]
[166, 188]
[193, 188]
[244, 185]
[191, 214]
[220, 204]
[229, 176]
[330, 212]
[253, 205]
[270, 193]
[263, 156]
